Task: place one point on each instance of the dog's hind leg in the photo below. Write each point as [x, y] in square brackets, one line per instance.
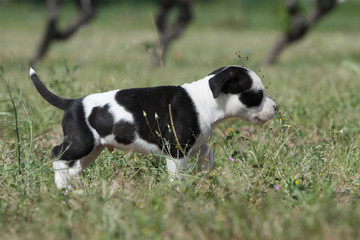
[65, 170]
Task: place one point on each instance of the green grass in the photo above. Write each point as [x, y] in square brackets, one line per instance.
[310, 150]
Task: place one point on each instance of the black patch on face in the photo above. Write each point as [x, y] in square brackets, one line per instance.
[252, 98]
[233, 79]
[101, 120]
[124, 132]
[156, 100]
[78, 139]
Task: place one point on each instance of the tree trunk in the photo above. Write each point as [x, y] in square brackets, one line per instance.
[87, 12]
[169, 32]
[299, 25]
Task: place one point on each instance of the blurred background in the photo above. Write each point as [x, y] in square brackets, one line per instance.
[30, 28]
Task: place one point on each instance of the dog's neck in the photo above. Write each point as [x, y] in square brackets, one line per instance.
[211, 111]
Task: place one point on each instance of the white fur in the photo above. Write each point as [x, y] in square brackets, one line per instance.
[257, 83]
[32, 71]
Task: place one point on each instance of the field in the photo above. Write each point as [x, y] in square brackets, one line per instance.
[296, 177]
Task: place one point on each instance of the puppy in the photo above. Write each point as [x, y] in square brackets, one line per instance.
[173, 121]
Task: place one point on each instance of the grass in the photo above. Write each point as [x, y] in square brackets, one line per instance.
[296, 177]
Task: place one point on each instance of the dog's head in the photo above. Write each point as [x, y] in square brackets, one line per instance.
[241, 92]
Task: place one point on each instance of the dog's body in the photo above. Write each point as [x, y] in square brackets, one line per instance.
[174, 121]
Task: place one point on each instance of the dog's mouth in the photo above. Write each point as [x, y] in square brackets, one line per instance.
[262, 119]
[259, 121]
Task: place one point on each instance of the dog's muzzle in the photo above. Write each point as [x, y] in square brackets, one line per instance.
[266, 113]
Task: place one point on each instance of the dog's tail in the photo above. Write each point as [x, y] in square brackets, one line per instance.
[51, 98]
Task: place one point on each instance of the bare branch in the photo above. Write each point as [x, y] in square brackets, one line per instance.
[299, 25]
[169, 32]
[87, 11]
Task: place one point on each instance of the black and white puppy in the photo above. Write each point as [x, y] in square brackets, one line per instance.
[173, 121]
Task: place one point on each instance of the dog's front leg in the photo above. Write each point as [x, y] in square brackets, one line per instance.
[175, 167]
[206, 158]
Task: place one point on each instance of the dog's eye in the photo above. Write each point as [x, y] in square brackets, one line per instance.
[252, 98]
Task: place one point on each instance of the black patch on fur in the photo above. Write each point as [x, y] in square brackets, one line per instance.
[233, 79]
[124, 132]
[156, 100]
[252, 98]
[78, 139]
[101, 120]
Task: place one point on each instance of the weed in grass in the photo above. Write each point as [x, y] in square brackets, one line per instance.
[12, 100]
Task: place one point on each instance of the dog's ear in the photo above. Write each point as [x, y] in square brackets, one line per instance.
[217, 71]
[231, 79]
